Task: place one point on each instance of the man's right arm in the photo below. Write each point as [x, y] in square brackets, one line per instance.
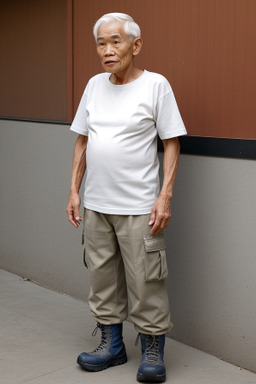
[78, 169]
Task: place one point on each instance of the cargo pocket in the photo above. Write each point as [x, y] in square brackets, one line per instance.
[155, 258]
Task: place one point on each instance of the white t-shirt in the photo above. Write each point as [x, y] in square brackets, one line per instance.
[122, 123]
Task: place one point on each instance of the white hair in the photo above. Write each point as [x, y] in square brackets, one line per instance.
[130, 27]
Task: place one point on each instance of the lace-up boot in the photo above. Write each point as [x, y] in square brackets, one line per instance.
[110, 352]
[152, 368]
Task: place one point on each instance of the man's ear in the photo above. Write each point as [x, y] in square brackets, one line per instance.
[137, 45]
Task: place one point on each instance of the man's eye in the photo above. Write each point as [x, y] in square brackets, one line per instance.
[116, 42]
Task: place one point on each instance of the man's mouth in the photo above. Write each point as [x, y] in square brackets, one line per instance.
[109, 62]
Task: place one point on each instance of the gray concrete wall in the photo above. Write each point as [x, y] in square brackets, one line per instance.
[211, 238]
[37, 240]
[212, 257]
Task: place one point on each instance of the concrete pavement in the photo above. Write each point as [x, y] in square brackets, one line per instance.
[42, 332]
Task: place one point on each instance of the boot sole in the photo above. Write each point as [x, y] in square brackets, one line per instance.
[101, 367]
[143, 378]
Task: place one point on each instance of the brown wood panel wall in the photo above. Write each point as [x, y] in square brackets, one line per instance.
[33, 65]
[206, 49]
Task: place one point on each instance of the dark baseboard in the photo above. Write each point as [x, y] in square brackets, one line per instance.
[34, 120]
[212, 146]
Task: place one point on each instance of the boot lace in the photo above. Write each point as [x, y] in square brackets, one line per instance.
[103, 344]
[152, 349]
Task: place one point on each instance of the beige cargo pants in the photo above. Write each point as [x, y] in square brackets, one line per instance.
[126, 264]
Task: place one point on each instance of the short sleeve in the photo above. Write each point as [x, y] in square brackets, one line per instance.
[169, 123]
[79, 124]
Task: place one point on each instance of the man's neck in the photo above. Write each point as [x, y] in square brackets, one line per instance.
[127, 77]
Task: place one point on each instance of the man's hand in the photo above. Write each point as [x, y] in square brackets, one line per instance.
[73, 209]
[78, 169]
[160, 214]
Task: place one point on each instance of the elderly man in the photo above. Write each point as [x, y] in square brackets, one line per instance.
[120, 114]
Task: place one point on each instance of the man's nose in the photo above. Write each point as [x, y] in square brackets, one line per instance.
[108, 50]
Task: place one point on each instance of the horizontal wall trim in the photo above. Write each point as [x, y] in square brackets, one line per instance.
[213, 146]
[31, 120]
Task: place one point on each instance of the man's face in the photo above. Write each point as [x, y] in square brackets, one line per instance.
[114, 48]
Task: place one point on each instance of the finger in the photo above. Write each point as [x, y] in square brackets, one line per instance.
[160, 224]
[152, 218]
[77, 216]
[156, 228]
[73, 221]
[155, 231]
[71, 218]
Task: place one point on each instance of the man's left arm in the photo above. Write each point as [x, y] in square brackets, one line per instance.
[161, 212]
